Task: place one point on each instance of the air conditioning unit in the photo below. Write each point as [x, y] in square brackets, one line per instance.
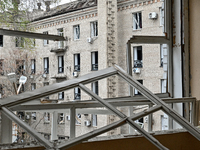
[75, 74]
[136, 70]
[44, 75]
[89, 40]
[153, 15]
[87, 123]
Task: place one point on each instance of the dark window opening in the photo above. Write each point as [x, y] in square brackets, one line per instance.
[138, 57]
[76, 62]
[94, 61]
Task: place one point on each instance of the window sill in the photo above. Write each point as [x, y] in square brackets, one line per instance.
[134, 30]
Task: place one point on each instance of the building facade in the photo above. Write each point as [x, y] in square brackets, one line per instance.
[96, 34]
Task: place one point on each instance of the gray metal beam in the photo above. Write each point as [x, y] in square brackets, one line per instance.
[31, 35]
[123, 102]
[72, 123]
[122, 116]
[156, 100]
[57, 87]
[140, 39]
[26, 127]
[92, 134]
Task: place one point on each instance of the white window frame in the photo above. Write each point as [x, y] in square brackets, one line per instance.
[94, 29]
[33, 66]
[76, 32]
[46, 117]
[33, 86]
[60, 33]
[95, 87]
[94, 120]
[77, 62]
[61, 96]
[33, 115]
[77, 93]
[45, 42]
[94, 61]
[60, 64]
[136, 92]
[137, 62]
[137, 21]
[46, 65]
[162, 16]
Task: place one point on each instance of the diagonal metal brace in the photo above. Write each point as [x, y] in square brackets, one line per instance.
[26, 127]
[122, 116]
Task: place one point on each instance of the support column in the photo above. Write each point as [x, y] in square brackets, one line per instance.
[54, 126]
[150, 117]
[6, 129]
[72, 123]
[131, 129]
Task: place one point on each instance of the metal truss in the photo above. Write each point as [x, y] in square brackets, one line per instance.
[11, 102]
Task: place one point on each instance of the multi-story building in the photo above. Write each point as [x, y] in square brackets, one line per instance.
[96, 34]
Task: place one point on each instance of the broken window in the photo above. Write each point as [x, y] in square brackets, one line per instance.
[76, 32]
[60, 64]
[46, 65]
[78, 119]
[61, 95]
[46, 117]
[20, 67]
[137, 21]
[33, 86]
[76, 62]
[61, 118]
[94, 28]
[1, 40]
[136, 92]
[45, 42]
[77, 93]
[94, 61]
[1, 67]
[60, 43]
[32, 66]
[161, 55]
[33, 115]
[137, 54]
[95, 87]
[19, 42]
[140, 122]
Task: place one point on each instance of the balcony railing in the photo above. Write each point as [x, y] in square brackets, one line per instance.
[138, 64]
[76, 67]
[94, 67]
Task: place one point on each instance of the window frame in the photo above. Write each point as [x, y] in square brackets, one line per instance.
[45, 42]
[76, 30]
[33, 66]
[77, 62]
[136, 92]
[77, 93]
[94, 29]
[138, 62]
[62, 95]
[60, 32]
[47, 117]
[61, 118]
[94, 60]
[46, 67]
[137, 25]
[61, 64]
